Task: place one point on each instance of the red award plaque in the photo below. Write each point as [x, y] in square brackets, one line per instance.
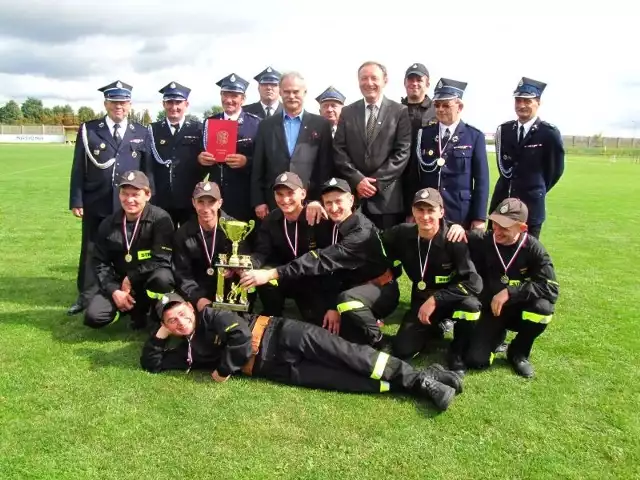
[220, 137]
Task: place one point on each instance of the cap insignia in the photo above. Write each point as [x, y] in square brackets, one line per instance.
[504, 209]
[283, 178]
[131, 176]
[424, 194]
[207, 187]
[119, 84]
[173, 85]
[333, 181]
[232, 78]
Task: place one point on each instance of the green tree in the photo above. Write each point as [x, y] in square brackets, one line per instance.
[213, 111]
[47, 116]
[146, 117]
[57, 114]
[85, 114]
[161, 116]
[32, 110]
[68, 115]
[11, 113]
[191, 117]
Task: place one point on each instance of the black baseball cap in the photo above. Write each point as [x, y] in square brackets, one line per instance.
[134, 178]
[417, 69]
[336, 184]
[204, 189]
[509, 212]
[288, 179]
[430, 196]
[167, 301]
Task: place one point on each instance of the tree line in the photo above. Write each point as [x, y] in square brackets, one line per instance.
[33, 112]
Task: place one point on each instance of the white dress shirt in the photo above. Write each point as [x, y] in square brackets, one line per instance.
[122, 129]
[235, 116]
[273, 107]
[171, 129]
[452, 129]
[367, 112]
[527, 126]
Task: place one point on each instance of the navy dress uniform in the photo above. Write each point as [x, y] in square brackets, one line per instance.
[453, 160]
[139, 250]
[235, 183]
[173, 169]
[290, 352]
[104, 150]
[332, 94]
[268, 76]
[529, 167]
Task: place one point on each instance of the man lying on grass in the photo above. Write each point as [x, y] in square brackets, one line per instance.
[286, 351]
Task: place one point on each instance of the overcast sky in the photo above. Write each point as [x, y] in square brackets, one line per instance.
[62, 51]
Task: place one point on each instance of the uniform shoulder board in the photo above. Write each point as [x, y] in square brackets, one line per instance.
[547, 124]
[508, 123]
[432, 122]
[251, 115]
[474, 128]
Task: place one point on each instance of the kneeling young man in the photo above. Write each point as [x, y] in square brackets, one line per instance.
[132, 257]
[520, 288]
[286, 351]
[445, 283]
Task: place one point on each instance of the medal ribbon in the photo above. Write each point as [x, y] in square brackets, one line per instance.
[213, 243]
[423, 268]
[124, 232]
[294, 248]
[506, 267]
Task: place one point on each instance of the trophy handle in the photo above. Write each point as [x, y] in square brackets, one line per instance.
[251, 224]
[222, 222]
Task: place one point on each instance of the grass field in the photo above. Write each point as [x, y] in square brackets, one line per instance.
[75, 404]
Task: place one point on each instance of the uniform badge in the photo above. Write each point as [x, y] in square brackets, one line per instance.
[439, 85]
[505, 157]
[134, 154]
[173, 85]
[131, 127]
[207, 187]
[269, 69]
[454, 139]
[101, 124]
[521, 83]
[333, 181]
[103, 146]
[504, 209]
[424, 194]
[283, 178]
[119, 84]
[232, 78]
[430, 152]
[163, 141]
[96, 152]
[131, 176]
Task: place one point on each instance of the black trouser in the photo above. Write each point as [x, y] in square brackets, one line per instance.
[306, 292]
[102, 311]
[309, 356]
[86, 281]
[180, 216]
[529, 320]
[413, 336]
[383, 220]
[534, 230]
[360, 308]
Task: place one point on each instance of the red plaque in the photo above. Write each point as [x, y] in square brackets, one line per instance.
[221, 137]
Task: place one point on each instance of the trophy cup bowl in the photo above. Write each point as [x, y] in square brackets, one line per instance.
[236, 231]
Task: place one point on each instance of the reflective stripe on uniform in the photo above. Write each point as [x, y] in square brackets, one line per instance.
[381, 363]
[144, 254]
[514, 283]
[462, 315]
[230, 327]
[348, 306]
[274, 282]
[313, 252]
[536, 317]
[444, 278]
[384, 386]
[462, 289]
[396, 263]
[553, 283]
[154, 295]
[115, 319]
[491, 357]
[384, 252]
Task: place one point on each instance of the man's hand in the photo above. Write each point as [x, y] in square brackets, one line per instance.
[255, 278]
[331, 321]
[456, 234]
[124, 302]
[77, 212]
[365, 188]
[315, 213]
[219, 378]
[262, 211]
[163, 333]
[236, 160]
[409, 219]
[498, 301]
[478, 225]
[203, 302]
[426, 310]
[206, 159]
[228, 273]
[126, 285]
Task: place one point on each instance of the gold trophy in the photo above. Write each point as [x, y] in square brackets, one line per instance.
[236, 231]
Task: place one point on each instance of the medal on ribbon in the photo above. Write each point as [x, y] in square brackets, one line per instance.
[292, 246]
[128, 257]
[210, 270]
[423, 267]
[504, 279]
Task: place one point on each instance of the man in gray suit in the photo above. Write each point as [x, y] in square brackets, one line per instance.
[371, 147]
[292, 141]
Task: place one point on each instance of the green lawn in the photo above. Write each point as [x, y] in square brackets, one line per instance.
[74, 403]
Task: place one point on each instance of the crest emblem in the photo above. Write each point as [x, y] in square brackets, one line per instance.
[207, 187]
[165, 299]
[96, 152]
[232, 78]
[173, 85]
[333, 181]
[162, 141]
[119, 84]
[424, 194]
[269, 69]
[439, 85]
[454, 139]
[521, 83]
[430, 152]
[504, 209]
[414, 65]
[131, 176]
[222, 138]
[283, 178]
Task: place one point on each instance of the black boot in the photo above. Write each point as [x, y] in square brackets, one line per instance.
[439, 373]
[77, 307]
[440, 394]
[456, 364]
[521, 365]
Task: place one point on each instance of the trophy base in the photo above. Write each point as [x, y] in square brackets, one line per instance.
[234, 307]
[232, 267]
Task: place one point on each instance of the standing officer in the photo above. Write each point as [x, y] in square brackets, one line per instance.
[174, 144]
[234, 174]
[269, 90]
[445, 283]
[132, 257]
[530, 155]
[331, 102]
[452, 158]
[356, 258]
[105, 149]
[286, 351]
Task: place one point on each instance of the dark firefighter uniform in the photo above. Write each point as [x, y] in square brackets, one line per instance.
[173, 169]
[235, 183]
[292, 352]
[449, 277]
[531, 283]
[453, 160]
[367, 285]
[280, 241]
[100, 158]
[262, 111]
[147, 263]
[531, 167]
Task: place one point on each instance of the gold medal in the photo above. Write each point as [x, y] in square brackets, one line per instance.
[422, 285]
[210, 271]
[504, 280]
[128, 258]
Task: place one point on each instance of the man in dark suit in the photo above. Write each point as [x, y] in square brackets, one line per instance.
[174, 144]
[269, 90]
[105, 149]
[371, 148]
[530, 155]
[294, 141]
